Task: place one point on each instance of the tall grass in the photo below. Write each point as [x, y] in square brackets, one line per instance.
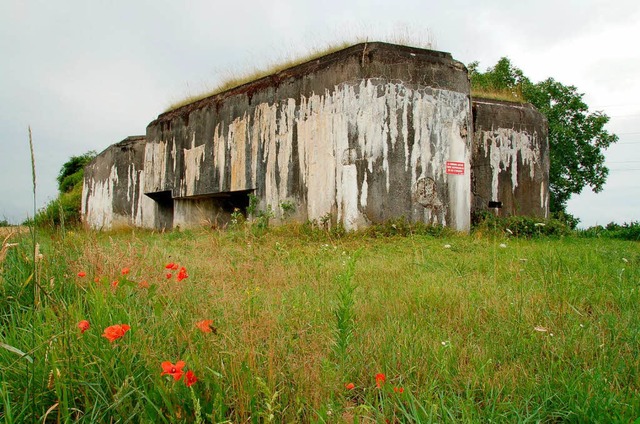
[32, 281]
[497, 94]
[548, 331]
[237, 79]
[405, 36]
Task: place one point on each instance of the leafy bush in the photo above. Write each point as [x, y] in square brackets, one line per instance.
[318, 229]
[520, 226]
[566, 218]
[630, 231]
[72, 171]
[326, 226]
[402, 227]
[593, 232]
[71, 181]
[65, 209]
[288, 208]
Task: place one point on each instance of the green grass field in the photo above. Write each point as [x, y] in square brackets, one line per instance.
[472, 328]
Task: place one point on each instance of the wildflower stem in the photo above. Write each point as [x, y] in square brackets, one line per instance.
[196, 407]
[31, 365]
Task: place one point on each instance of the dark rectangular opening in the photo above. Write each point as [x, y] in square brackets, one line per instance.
[164, 202]
[227, 201]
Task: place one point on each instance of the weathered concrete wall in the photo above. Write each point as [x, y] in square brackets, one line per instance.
[363, 135]
[510, 161]
[370, 133]
[113, 185]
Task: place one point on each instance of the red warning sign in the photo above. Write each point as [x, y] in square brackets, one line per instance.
[455, 168]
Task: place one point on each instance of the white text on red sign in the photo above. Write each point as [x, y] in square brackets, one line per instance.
[455, 168]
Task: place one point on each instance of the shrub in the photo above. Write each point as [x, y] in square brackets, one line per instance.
[520, 226]
[65, 209]
[630, 231]
[326, 226]
[566, 218]
[402, 227]
[72, 171]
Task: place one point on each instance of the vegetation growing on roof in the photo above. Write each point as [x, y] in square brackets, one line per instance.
[257, 73]
[497, 83]
[502, 95]
[242, 78]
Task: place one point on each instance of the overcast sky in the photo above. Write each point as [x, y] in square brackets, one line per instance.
[86, 74]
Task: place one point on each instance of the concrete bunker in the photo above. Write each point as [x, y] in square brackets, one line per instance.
[112, 191]
[348, 135]
[363, 135]
[510, 167]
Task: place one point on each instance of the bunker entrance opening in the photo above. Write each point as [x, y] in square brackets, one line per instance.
[215, 208]
[226, 202]
[164, 205]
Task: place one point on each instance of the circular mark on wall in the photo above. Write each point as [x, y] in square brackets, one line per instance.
[425, 192]
[349, 156]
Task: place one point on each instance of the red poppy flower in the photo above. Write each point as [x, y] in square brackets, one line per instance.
[82, 274]
[83, 326]
[380, 378]
[182, 274]
[114, 284]
[172, 266]
[168, 275]
[174, 370]
[143, 285]
[125, 271]
[205, 325]
[114, 332]
[190, 378]
[350, 386]
[398, 389]
[96, 280]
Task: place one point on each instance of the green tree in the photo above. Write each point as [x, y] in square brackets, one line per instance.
[66, 207]
[72, 171]
[577, 137]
